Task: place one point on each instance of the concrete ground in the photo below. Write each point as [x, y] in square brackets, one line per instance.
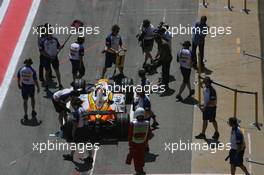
[231, 68]
[179, 122]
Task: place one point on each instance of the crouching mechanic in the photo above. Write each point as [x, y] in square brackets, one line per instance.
[137, 136]
[60, 99]
[143, 101]
[27, 80]
[79, 134]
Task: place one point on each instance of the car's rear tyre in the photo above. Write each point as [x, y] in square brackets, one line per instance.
[122, 126]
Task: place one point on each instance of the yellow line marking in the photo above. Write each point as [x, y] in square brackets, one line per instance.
[238, 41]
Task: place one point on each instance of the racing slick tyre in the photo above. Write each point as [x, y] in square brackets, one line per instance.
[122, 126]
[127, 82]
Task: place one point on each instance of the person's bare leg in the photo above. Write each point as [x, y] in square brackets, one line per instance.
[244, 169]
[233, 169]
[103, 73]
[47, 77]
[205, 124]
[215, 126]
[25, 106]
[189, 86]
[33, 103]
[58, 76]
[183, 85]
[121, 70]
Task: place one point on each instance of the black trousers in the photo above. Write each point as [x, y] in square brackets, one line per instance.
[165, 73]
[201, 51]
[42, 67]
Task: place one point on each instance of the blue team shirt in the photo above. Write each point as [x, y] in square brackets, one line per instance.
[198, 37]
[142, 102]
[27, 75]
[112, 41]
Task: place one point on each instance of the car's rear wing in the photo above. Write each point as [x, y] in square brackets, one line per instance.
[101, 112]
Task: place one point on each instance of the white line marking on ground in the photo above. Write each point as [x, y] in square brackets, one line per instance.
[18, 50]
[179, 174]
[94, 158]
[249, 152]
[3, 9]
[164, 15]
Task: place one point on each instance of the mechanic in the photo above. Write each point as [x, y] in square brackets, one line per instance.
[209, 109]
[79, 133]
[137, 137]
[143, 101]
[113, 45]
[238, 147]
[60, 99]
[27, 80]
[42, 30]
[49, 49]
[184, 56]
[198, 40]
[76, 58]
[146, 39]
[162, 32]
[164, 60]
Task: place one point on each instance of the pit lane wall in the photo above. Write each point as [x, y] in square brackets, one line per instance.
[230, 67]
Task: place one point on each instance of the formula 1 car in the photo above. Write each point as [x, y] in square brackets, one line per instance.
[105, 114]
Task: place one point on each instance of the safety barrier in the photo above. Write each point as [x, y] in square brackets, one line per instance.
[228, 5]
[236, 91]
[251, 55]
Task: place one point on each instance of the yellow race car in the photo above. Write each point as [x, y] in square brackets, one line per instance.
[105, 113]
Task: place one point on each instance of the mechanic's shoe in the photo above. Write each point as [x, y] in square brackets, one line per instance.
[147, 149]
[165, 93]
[52, 76]
[140, 173]
[25, 117]
[179, 97]
[154, 124]
[68, 157]
[59, 134]
[216, 136]
[41, 79]
[88, 159]
[34, 114]
[192, 91]
[60, 87]
[200, 136]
